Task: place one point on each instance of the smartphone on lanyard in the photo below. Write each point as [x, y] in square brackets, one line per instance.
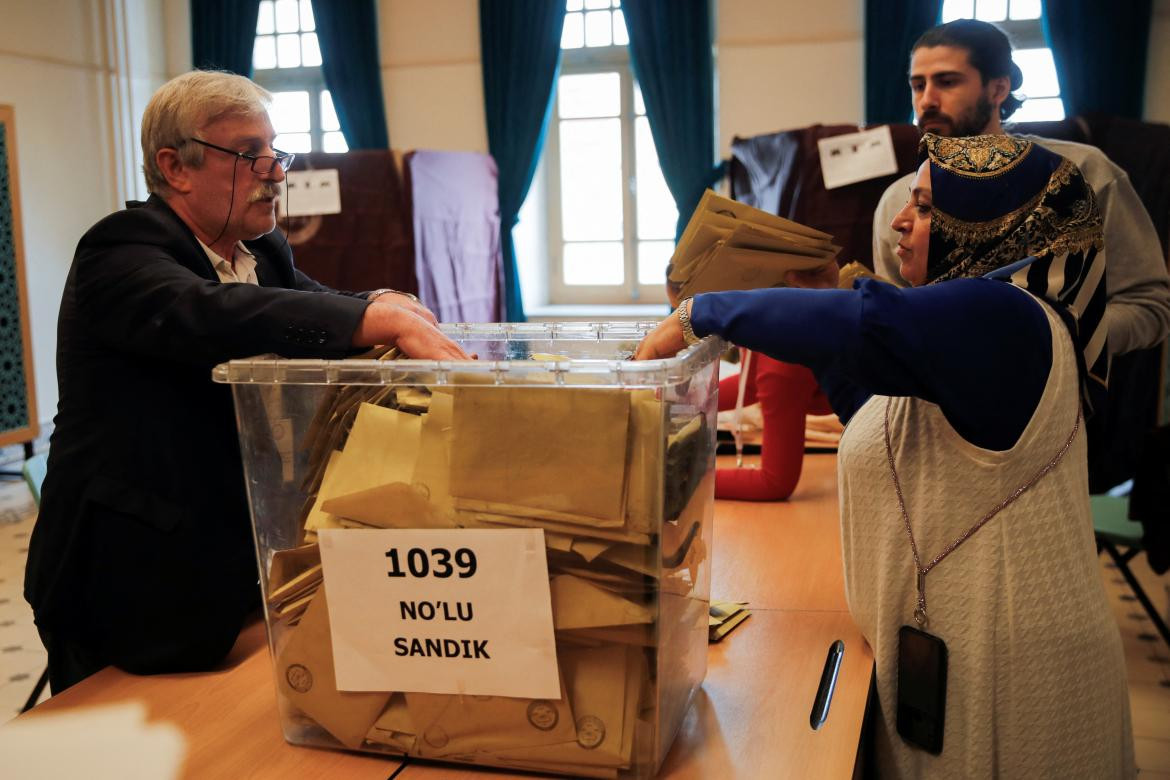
[922, 688]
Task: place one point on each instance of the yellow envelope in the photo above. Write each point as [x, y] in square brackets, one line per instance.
[604, 687]
[644, 462]
[557, 449]
[535, 513]
[452, 725]
[287, 564]
[467, 519]
[397, 505]
[577, 603]
[304, 674]
[635, 557]
[734, 268]
[381, 448]
[432, 470]
[394, 727]
[588, 548]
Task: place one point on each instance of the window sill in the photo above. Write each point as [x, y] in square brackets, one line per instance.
[597, 312]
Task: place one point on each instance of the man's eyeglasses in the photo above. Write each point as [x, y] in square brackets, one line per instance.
[261, 163]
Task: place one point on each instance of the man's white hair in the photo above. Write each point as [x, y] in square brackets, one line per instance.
[185, 105]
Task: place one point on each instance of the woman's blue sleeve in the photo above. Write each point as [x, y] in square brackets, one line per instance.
[980, 349]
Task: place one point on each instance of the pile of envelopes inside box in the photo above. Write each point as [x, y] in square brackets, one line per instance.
[728, 245]
[620, 490]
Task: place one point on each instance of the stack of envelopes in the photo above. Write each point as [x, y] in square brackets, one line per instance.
[725, 616]
[728, 245]
[621, 492]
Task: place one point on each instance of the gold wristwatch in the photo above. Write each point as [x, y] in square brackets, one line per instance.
[384, 290]
[684, 319]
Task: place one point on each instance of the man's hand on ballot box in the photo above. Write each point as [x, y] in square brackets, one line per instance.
[406, 301]
[391, 323]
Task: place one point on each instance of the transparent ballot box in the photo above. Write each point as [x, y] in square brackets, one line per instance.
[515, 550]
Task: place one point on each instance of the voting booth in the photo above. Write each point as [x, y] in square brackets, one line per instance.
[503, 562]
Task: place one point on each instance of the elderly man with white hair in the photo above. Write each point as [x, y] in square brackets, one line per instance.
[142, 556]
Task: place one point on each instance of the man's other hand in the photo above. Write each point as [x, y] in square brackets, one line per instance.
[415, 335]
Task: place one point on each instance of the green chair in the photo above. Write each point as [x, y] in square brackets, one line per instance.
[34, 474]
[1121, 538]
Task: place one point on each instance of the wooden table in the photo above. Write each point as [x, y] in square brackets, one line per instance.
[749, 720]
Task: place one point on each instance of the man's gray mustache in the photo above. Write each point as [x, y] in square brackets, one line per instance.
[264, 191]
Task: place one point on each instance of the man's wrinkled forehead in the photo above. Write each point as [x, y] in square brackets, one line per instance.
[244, 130]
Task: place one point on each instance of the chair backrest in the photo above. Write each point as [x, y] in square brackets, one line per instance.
[34, 474]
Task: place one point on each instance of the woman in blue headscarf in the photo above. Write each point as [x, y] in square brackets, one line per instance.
[970, 562]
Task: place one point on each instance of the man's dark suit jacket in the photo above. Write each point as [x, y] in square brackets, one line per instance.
[142, 553]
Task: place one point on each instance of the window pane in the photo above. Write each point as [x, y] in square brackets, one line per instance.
[334, 142]
[573, 5]
[594, 263]
[991, 10]
[1025, 9]
[265, 21]
[652, 259]
[621, 36]
[288, 50]
[264, 52]
[1039, 72]
[310, 51]
[657, 214]
[589, 95]
[328, 113]
[598, 28]
[290, 114]
[287, 16]
[639, 106]
[1040, 110]
[301, 143]
[595, 4]
[308, 23]
[573, 33]
[591, 179]
[957, 9]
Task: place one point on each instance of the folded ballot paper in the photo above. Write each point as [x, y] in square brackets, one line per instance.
[728, 245]
[619, 482]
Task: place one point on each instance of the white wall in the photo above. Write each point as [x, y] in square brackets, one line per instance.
[431, 74]
[787, 63]
[77, 73]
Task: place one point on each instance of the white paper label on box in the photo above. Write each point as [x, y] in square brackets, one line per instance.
[463, 611]
[311, 192]
[847, 159]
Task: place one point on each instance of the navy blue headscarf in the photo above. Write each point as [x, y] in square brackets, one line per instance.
[997, 200]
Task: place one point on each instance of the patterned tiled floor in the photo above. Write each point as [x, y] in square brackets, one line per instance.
[22, 657]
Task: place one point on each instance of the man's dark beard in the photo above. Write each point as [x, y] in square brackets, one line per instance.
[970, 122]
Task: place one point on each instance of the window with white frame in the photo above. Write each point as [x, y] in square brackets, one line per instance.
[286, 60]
[1022, 21]
[611, 217]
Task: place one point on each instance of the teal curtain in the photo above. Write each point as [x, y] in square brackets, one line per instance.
[348, 34]
[1100, 52]
[670, 49]
[891, 28]
[223, 33]
[520, 43]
